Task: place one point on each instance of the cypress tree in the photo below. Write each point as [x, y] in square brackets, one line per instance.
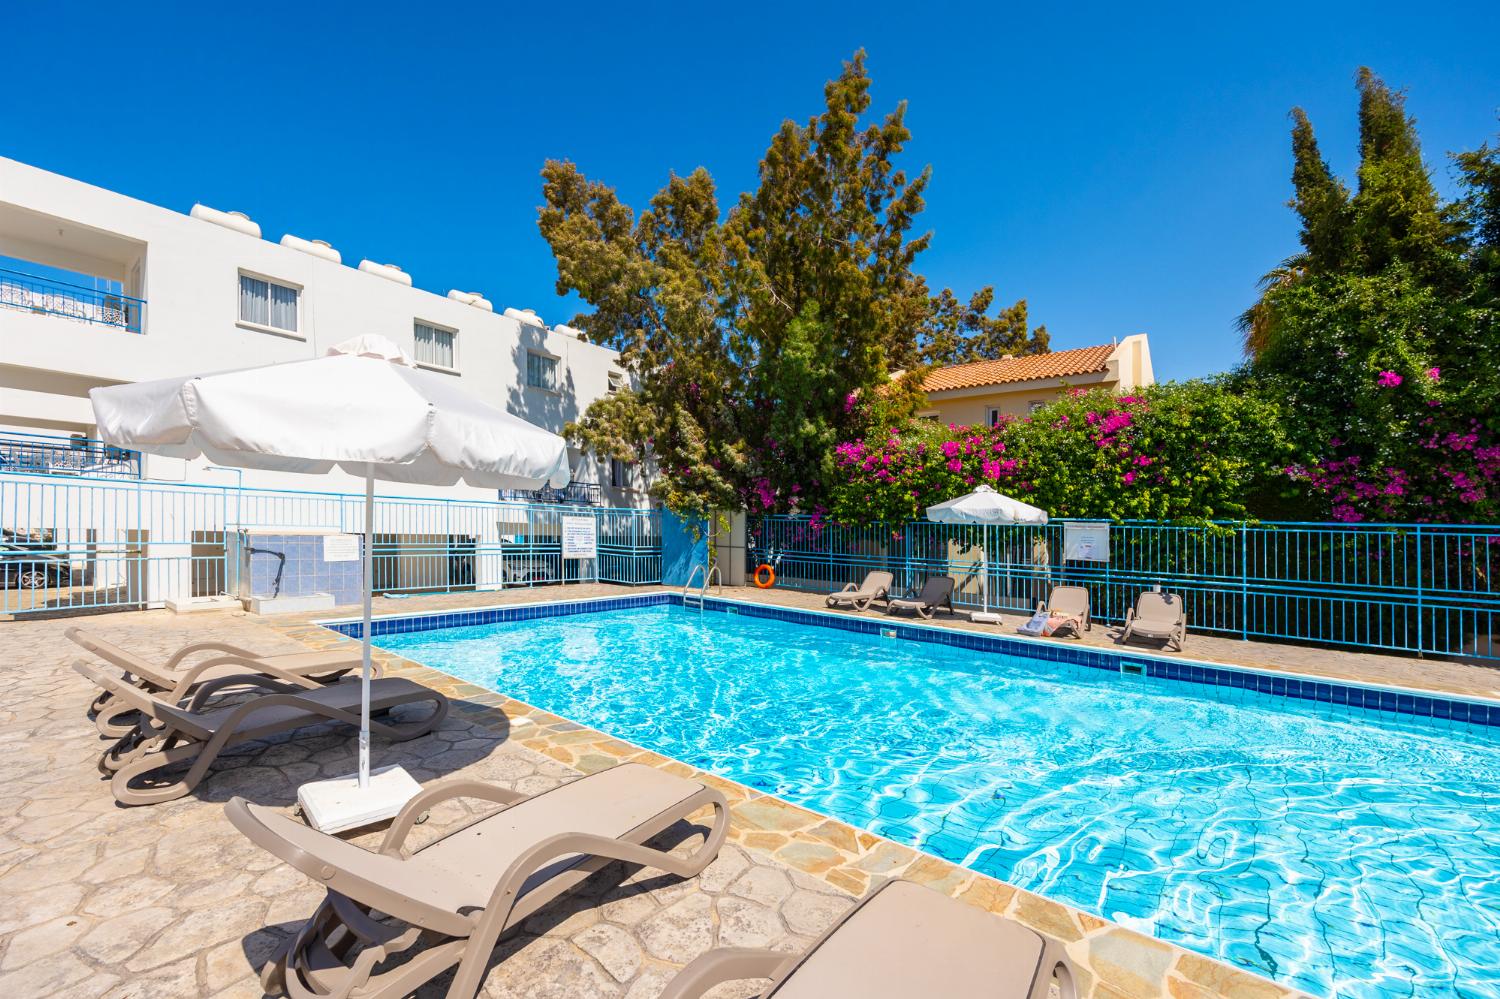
[1321, 201]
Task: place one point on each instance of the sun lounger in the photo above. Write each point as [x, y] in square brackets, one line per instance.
[459, 894]
[902, 941]
[936, 593]
[1066, 609]
[1162, 616]
[194, 733]
[877, 586]
[178, 677]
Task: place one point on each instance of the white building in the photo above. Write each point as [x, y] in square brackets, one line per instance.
[101, 289]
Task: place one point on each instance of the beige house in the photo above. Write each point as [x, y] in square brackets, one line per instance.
[979, 393]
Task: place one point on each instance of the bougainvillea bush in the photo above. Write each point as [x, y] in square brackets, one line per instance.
[1187, 451]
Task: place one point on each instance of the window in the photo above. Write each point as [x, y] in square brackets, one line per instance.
[268, 304]
[992, 416]
[436, 346]
[541, 371]
[619, 474]
[1035, 405]
[616, 382]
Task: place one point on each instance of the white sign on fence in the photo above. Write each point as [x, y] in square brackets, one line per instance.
[578, 537]
[1085, 542]
[341, 548]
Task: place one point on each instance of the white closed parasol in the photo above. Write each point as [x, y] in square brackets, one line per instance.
[364, 407]
[987, 508]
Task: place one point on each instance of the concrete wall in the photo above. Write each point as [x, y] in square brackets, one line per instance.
[188, 269]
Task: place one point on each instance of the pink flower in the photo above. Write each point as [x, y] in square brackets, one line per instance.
[950, 449]
[849, 401]
[955, 465]
[1436, 374]
[1388, 379]
[1142, 461]
[1129, 478]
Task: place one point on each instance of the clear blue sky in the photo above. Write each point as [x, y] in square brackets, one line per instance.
[1122, 168]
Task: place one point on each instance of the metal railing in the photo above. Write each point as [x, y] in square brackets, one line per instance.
[1416, 588]
[573, 494]
[51, 297]
[95, 543]
[48, 454]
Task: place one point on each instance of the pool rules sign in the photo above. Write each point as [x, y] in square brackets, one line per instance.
[578, 539]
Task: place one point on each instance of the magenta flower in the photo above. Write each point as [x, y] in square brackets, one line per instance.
[950, 449]
[955, 465]
[1129, 478]
[1436, 374]
[1388, 379]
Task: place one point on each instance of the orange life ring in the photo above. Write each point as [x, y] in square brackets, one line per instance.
[770, 576]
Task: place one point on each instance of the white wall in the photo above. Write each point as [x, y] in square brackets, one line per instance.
[190, 281]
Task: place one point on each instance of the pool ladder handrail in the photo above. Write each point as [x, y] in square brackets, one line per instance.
[710, 573]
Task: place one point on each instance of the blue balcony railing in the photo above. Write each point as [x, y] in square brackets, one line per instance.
[51, 297]
[574, 494]
[41, 454]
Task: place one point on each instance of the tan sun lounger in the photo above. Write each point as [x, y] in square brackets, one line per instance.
[178, 677]
[936, 593]
[877, 586]
[459, 894]
[902, 942]
[1072, 604]
[1162, 616]
[195, 733]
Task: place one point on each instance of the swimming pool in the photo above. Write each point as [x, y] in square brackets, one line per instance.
[1339, 850]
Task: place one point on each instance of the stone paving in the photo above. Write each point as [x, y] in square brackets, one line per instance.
[170, 900]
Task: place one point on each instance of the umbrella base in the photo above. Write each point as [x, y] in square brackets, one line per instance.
[985, 617]
[338, 804]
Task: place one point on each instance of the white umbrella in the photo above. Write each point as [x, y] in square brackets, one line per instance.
[985, 507]
[365, 407]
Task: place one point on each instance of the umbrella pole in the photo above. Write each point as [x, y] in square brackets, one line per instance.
[364, 674]
[985, 568]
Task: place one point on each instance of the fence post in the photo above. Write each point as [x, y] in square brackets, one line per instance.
[1244, 585]
[1420, 615]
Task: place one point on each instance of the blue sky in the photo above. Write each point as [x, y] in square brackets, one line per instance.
[1122, 168]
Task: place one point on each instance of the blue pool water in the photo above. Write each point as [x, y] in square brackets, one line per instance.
[1340, 851]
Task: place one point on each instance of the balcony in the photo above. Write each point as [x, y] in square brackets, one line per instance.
[54, 297]
[573, 494]
[44, 454]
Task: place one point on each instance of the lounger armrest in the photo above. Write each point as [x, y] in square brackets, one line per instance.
[212, 687]
[848, 587]
[191, 650]
[401, 827]
[553, 848]
[190, 676]
[728, 964]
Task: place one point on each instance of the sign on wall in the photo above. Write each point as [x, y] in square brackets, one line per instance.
[1085, 542]
[341, 548]
[578, 537]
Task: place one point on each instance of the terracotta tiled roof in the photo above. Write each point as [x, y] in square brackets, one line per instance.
[1058, 364]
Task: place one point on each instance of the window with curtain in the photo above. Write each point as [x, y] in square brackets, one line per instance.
[541, 371]
[436, 346]
[266, 303]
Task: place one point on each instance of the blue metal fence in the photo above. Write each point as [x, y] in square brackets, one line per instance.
[51, 297]
[83, 542]
[51, 454]
[1401, 587]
